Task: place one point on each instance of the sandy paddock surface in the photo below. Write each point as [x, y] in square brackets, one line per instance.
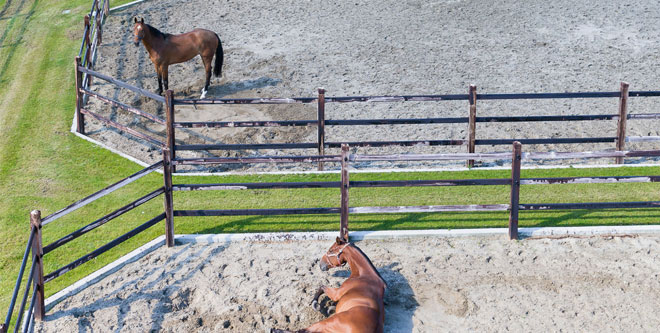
[289, 48]
[484, 284]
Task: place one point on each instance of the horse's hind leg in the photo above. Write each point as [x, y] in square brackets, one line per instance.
[207, 68]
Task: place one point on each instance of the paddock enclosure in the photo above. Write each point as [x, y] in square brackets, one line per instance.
[462, 284]
[284, 50]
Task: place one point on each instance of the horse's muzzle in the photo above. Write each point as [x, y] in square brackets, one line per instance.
[323, 266]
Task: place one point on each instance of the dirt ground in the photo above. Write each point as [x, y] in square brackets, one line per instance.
[288, 49]
[467, 284]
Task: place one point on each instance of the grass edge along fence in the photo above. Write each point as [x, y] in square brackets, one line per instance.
[38, 279]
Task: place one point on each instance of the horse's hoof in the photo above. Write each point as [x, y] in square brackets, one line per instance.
[316, 306]
[203, 94]
[331, 309]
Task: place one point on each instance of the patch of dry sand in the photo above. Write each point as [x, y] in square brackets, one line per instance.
[481, 284]
[288, 49]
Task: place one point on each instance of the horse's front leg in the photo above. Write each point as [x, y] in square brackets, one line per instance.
[315, 300]
[164, 74]
[160, 80]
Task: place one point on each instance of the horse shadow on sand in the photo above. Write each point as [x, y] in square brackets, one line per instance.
[122, 300]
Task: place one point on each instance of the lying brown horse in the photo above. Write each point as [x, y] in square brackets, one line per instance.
[165, 49]
[359, 299]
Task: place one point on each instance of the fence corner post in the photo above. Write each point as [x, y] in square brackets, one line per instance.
[169, 122]
[515, 190]
[3, 328]
[37, 257]
[623, 117]
[80, 118]
[321, 124]
[106, 7]
[472, 121]
[168, 202]
[343, 228]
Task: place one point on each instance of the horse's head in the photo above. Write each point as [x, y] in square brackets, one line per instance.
[138, 30]
[335, 256]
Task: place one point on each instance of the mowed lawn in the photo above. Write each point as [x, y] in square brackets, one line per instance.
[43, 166]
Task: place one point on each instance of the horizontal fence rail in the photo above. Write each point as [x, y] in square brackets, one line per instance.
[122, 84]
[123, 128]
[123, 106]
[102, 221]
[93, 197]
[61, 271]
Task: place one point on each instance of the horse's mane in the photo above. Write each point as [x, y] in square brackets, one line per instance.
[370, 263]
[157, 33]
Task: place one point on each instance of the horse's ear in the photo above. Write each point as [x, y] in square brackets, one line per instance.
[142, 20]
[338, 240]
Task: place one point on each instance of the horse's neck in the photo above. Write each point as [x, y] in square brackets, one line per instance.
[360, 265]
[152, 42]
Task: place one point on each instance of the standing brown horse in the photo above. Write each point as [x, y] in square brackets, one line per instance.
[359, 299]
[165, 49]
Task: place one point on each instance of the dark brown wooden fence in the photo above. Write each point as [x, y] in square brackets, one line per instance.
[618, 137]
[37, 278]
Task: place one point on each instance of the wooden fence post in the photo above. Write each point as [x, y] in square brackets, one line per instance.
[343, 229]
[3, 328]
[38, 275]
[169, 208]
[87, 41]
[321, 125]
[472, 121]
[515, 190]
[169, 123]
[106, 7]
[80, 118]
[623, 117]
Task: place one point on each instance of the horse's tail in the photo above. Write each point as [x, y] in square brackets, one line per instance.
[217, 71]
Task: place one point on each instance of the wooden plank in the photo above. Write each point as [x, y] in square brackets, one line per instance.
[621, 125]
[590, 180]
[63, 270]
[320, 117]
[408, 121]
[515, 190]
[168, 200]
[548, 95]
[122, 84]
[429, 157]
[247, 146]
[590, 205]
[37, 257]
[390, 99]
[264, 212]
[123, 128]
[343, 224]
[100, 194]
[123, 106]
[644, 115]
[99, 222]
[544, 141]
[428, 209]
[590, 154]
[300, 100]
[21, 271]
[416, 183]
[642, 138]
[397, 143]
[514, 119]
[472, 122]
[233, 124]
[253, 186]
[262, 159]
[80, 119]
[169, 126]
